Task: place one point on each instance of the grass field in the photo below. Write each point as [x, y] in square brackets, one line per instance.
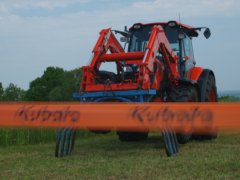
[29, 154]
[104, 157]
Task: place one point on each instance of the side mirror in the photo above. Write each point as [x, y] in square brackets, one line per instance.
[207, 33]
[125, 29]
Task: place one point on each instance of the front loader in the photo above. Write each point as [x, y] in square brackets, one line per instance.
[156, 65]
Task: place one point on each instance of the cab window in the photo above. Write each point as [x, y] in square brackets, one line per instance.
[188, 53]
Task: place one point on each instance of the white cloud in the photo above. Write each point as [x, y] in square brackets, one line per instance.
[44, 4]
[138, 9]
[190, 7]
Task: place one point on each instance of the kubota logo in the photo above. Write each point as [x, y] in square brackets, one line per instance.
[36, 113]
[146, 114]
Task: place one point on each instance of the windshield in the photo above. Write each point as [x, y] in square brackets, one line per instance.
[172, 36]
[139, 38]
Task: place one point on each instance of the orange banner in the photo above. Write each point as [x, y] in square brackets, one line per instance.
[123, 116]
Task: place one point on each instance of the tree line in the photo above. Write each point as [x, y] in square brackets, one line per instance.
[55, 84]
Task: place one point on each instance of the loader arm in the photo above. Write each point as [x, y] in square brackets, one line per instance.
[147, 78]
[158, 42]
[106, 41]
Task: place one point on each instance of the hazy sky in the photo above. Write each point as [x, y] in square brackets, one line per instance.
[35, 34]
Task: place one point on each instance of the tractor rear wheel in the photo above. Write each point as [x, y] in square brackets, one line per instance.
[182, 93]
[210, 95]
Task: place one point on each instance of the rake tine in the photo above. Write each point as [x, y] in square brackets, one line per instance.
[167, 143]
[69, 133]
[58, 142]
[171, 145]
[63, 142]
[73, 140]
[174, 143]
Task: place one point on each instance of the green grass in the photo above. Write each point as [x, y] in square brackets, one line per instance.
[24, 136]
[104, 157]
[29, 154]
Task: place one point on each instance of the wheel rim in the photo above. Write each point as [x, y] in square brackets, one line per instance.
[212, 95]
[157, 99]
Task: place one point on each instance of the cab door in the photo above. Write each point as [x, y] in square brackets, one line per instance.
[188, 55]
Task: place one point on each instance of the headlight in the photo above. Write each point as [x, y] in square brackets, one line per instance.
[137, 26]
[172, 24]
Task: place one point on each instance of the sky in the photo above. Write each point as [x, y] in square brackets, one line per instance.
[35, 34]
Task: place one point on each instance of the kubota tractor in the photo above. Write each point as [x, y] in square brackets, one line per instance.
[156, 65]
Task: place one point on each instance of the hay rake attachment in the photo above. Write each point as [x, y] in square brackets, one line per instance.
[65, 142]
[67, 136]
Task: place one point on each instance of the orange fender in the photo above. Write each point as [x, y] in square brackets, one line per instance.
[194, 73]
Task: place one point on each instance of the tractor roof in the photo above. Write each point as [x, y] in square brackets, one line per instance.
[188, 29]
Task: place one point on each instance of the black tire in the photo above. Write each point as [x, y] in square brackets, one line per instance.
[182, 93]
[105, 77]
[132, 136]
[100, 131]
[209, 91]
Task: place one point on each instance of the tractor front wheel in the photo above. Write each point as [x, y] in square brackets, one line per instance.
[183, 93]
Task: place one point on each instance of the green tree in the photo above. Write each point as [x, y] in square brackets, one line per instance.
[37, 91]
[229, 99]
[1, 91]
[54, 85]
[13, 93]
[70, 83]
[40, 87]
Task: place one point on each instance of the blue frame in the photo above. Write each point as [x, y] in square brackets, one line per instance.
[123, 96]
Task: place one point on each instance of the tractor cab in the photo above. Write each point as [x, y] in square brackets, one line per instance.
[178, 35]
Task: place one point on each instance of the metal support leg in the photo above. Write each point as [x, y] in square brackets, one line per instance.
[170, 142]
[58, 142]
[69, 133]
[73, 141]
[63, 142]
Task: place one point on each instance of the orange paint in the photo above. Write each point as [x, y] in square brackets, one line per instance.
[198, 117]
[194, 73]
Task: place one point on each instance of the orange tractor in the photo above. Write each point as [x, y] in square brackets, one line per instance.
[156, 64]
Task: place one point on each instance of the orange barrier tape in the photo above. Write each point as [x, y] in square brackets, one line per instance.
[123, 116]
